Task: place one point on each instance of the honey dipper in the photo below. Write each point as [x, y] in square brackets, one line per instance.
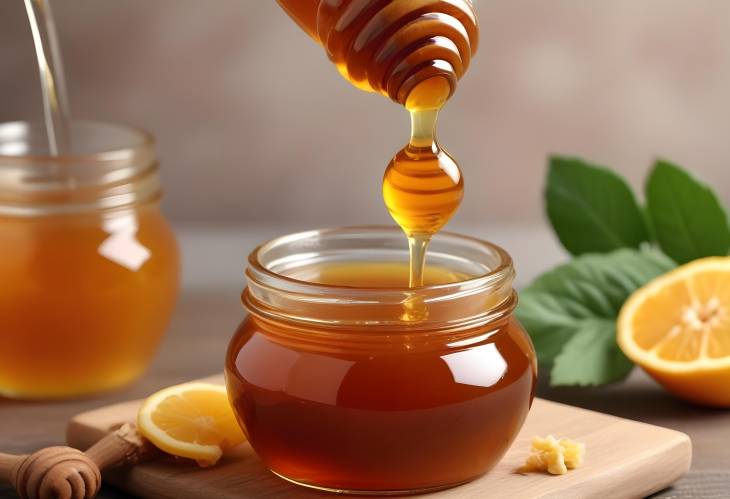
[67, 473]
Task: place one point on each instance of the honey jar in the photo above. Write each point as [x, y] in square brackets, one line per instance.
[88, 263]
[338, 389]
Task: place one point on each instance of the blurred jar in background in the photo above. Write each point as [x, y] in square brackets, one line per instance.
[89, 267]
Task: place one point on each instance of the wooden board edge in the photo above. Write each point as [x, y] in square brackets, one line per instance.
[671, 464]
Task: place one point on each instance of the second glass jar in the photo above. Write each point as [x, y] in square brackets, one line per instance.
[89, 265]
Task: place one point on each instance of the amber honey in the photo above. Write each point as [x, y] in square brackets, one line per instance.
[386, 418]
[423, 186]
[89, 266]
[358, 370]
[336, 391]
[414, 52]
[385, 275]
[391, 46]
[84, 301]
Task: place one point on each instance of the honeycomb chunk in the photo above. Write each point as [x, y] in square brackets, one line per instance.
[553, 455]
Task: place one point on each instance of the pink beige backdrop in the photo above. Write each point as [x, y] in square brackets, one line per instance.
[255, 126]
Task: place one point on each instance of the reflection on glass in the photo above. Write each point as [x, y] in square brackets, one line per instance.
[484, 366]
[122, 246]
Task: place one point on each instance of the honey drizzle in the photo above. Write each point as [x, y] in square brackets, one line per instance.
[414, 52]
[50, 69]
[422, 186]
[423, 135]
[417, 246]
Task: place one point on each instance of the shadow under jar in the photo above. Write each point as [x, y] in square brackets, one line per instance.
[89, 265]
[337, 388]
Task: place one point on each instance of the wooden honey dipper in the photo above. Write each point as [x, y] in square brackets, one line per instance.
[67, 473]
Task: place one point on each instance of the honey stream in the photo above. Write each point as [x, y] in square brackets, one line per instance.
[423, 186]
[414, 52]
[50, 69]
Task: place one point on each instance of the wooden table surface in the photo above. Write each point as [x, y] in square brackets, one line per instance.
[206, 317]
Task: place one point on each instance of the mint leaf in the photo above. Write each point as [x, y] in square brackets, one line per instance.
[577, 304]
[550, 321]
[591, 356]
[686, 216]
[591, 209]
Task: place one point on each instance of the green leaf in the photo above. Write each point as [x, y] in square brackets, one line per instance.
[591, 357]
[574, 307]
[687, 217]
[592, 209]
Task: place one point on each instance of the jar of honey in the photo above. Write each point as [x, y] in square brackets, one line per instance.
[89, 265]
[340, 386]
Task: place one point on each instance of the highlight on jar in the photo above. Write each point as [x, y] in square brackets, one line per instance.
[396, 276]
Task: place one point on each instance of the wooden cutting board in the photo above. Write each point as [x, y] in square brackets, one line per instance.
[625, 459]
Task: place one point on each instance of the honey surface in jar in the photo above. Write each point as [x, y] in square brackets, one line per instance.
[84, 300]
[379, 408]
[386, 275]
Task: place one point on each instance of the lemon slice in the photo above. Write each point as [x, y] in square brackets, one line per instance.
[677, 328]
[192, 420]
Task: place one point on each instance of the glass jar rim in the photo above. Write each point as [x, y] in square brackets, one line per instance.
[504, 269]
[274, 294]
[15, 130]
[112, 166]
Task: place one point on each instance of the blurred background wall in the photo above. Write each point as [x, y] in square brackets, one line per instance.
[255, 125]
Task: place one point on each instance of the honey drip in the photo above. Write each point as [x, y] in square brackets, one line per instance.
[423, 186]
[413, 51]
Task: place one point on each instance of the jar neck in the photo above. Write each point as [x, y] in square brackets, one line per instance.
[112, 167]
[273, 293]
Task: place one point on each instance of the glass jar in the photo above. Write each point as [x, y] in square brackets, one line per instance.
[338, 389]
[89, 265]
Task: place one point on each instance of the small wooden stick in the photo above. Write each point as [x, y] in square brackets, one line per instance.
[67, 473]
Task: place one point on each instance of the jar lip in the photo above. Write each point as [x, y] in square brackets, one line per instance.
[277, 290]
[501, 271]
[112, 166]
[15, 130]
